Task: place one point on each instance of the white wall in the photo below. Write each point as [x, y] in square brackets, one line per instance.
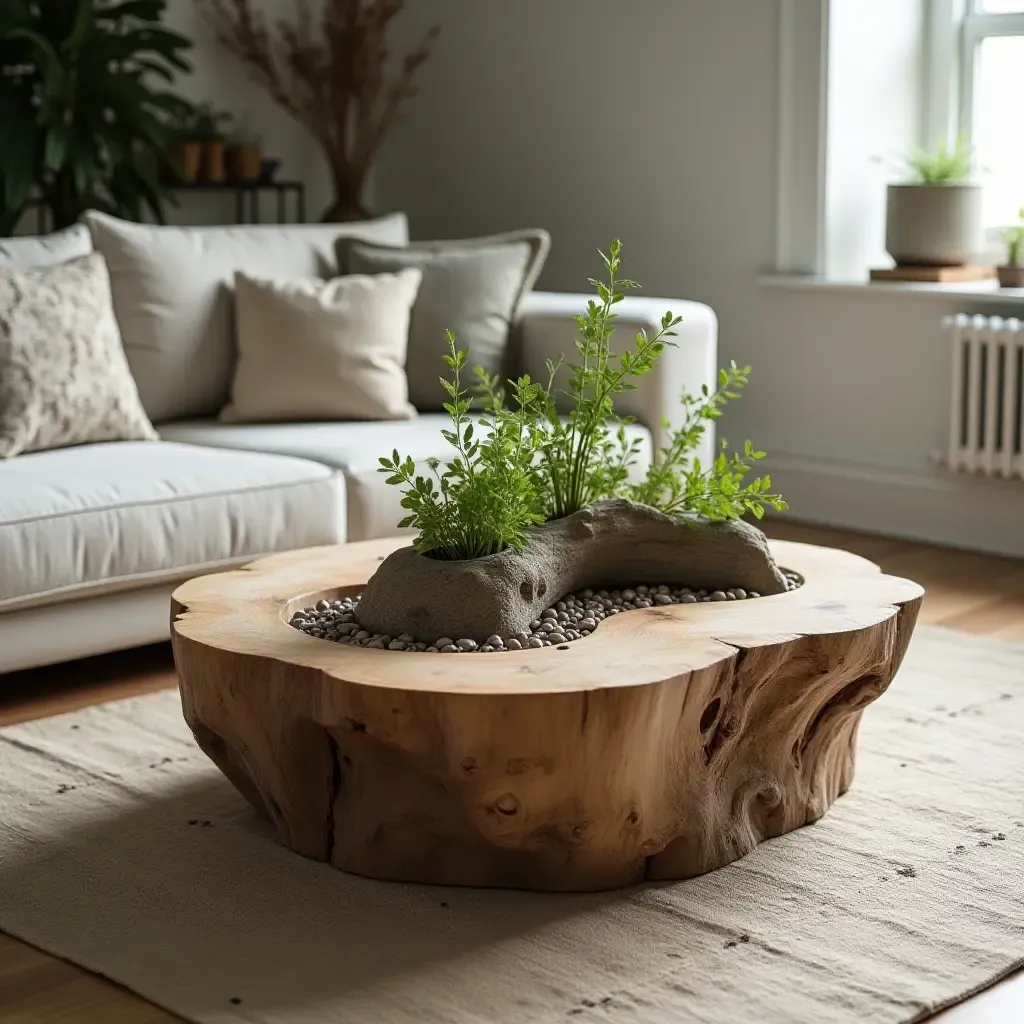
[656, 121]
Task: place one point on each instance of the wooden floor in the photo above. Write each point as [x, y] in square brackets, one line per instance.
[976, 593]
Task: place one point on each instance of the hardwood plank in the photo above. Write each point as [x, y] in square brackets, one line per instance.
[1002, 617]
[54, 689]
[36, 988]
[978, 593]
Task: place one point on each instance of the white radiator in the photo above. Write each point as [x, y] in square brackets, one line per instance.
[986, 432]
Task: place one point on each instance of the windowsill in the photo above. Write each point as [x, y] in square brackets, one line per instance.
[979, 291]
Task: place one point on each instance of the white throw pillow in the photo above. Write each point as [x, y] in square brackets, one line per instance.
[322, 350]
[64, 378]
[173, 296]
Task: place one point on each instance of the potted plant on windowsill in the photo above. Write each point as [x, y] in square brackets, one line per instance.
[1011, 273]
[934, 219]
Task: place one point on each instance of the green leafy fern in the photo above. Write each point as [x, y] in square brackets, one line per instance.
[541, 452]
[484, 499]
[680, 487]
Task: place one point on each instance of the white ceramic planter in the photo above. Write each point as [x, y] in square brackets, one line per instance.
[933, 225]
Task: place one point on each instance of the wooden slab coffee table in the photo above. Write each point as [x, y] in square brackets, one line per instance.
[668, 743]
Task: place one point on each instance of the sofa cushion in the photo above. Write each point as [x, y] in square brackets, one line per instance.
[172, 290]
[473, 287]
[315, 350]
[64, 378]
[45, 250]
[373, 506]
[77, 522]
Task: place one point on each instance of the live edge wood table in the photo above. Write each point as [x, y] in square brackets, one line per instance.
[669, 742]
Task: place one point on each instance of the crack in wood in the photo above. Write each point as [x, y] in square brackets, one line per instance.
[334, 791]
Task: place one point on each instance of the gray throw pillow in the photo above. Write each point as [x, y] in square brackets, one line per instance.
[473, 287]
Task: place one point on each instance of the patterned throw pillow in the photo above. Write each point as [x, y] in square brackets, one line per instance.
[64, 378]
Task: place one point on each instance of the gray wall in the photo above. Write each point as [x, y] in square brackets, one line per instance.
[656, 121]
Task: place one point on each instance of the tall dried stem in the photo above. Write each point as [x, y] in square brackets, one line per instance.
[332, 74]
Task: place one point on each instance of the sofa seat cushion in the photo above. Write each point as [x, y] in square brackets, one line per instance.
[373, 507]
[77, 522]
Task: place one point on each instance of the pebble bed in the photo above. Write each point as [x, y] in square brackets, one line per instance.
[574, 617]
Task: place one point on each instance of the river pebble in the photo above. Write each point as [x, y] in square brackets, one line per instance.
[572, 618]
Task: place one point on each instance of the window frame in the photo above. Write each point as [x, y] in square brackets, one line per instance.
[977, 25]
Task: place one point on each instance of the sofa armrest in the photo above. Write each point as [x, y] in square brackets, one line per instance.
[547, 330]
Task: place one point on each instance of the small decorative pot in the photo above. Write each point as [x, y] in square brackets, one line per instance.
[1011, 276]
[244, 162]
[268, 168]
[933, 225]
[213, 161]
[187, 157]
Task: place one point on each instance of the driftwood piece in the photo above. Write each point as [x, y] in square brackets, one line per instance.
[608, 544]
[668, 743]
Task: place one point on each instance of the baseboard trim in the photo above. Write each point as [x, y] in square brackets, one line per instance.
[972, 512]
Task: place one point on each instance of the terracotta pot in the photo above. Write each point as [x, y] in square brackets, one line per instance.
[187, 158]
[933, 225]
[1011, 277]
[213, 161]
[244, 162]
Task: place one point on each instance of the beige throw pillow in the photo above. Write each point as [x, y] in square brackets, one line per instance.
[64, 378]
[318, 350]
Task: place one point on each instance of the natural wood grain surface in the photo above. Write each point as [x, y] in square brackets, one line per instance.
[981, 594]
[524, 769]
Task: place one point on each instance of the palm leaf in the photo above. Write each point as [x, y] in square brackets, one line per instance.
[80, 119]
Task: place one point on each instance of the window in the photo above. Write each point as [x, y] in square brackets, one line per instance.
[991, 85]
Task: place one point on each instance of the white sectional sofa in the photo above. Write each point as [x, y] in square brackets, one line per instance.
[94, 538]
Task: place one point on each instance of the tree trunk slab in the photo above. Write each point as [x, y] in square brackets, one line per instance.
[668, 743]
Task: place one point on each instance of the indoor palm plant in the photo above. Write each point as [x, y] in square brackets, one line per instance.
[934, 218]
[85, 118]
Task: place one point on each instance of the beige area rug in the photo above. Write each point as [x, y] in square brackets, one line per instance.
[123, 850]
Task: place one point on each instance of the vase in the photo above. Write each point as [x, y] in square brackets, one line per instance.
[933, 225]
[1010, 276]
[244, 161]
[187, 157]
[342, 211]
[213, 161]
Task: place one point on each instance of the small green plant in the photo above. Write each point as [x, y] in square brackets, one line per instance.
[210, 124]
[944, 164]
[680, 487]
[1014, 238]
[483, 500]
[584, 454]
[529, 462]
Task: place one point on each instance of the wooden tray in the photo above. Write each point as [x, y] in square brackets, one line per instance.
[934, 275]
